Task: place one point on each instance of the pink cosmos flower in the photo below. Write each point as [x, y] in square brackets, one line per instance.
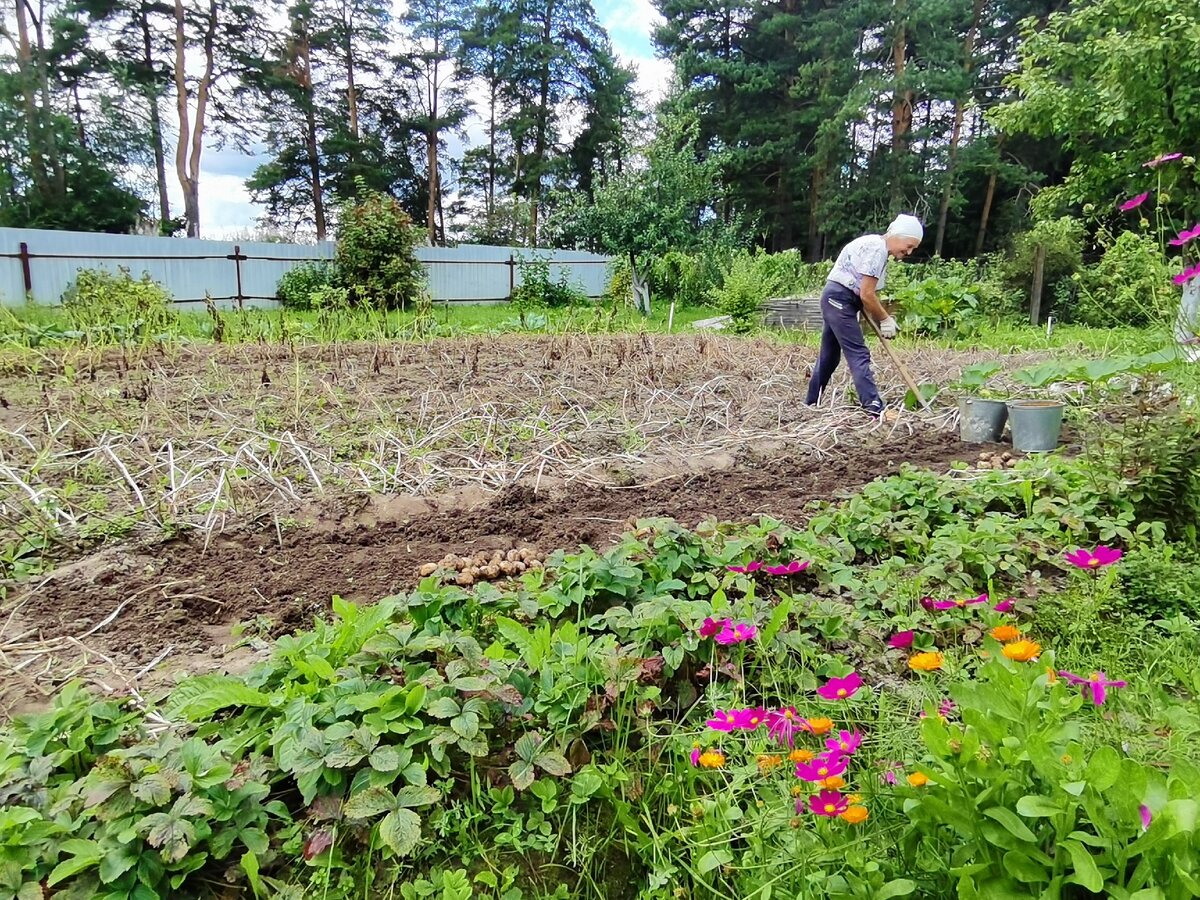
[792, 568]
[1095, 684]
[830, 804]
[1159, 160]
[960, 604]
[827, 765]
[902, 640]
[841, 688]
[1094, 559]
[1146, 816]
[1135, 202]
[927, 603]
[1188, 234]
[1005, 606]
[746, 569]
[845, 743]
[695, 755]
[945, 710]
[1187, 275]
[711, 626]
[782, 725]
[737, 719]
[735, 634]
[889, 771]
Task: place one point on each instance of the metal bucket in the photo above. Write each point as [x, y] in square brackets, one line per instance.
[1036, 424]
[981, 421]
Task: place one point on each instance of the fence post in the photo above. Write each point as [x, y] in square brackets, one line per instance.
[26, 272]
[1039, 271]
[237, 264]
[512, 275]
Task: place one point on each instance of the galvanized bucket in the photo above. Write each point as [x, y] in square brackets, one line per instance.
[1036, 424]
[981, 421]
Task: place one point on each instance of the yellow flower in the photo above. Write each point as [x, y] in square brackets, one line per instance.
[855, 815]
[801, 756]
[1006, 633]
[1023, 650]
[797, 790]
[1051, 675]
[834, 783]
[820, 725]
[768, 763]
[926, 662]
[854, 799]
[918, 779]
[712, 759]
[1066, 759]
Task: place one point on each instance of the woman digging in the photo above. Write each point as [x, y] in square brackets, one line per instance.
[854, 282]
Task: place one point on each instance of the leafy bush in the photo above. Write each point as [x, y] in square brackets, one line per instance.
[745, 284]
[537, 290]
[939, 306]
[685, 278]
[1131, 285]
[297, 286]
[117, 307]
[376, 259]
[1160, 581]
[1063, 240]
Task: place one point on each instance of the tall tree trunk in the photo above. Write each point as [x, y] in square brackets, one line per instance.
[310, 138]
[34, 133]
[490, 202]
[987, 211]
[156, 133]
[542, 126]
[956, 130]
[814, 205]
[57, 171]
[191, 134]
[902, 97]
[351, 88]
[431, 148]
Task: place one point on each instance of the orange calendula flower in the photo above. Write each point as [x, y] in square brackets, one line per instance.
[1006, 633]
[926, 662]
[768, 763]
[855, 815]
[834, 783]
[918, 779]
[712, 759]
[1051, 675]
[820, 725]
[1023, 650]
[801, 756]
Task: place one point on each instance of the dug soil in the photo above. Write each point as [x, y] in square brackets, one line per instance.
[187, 596]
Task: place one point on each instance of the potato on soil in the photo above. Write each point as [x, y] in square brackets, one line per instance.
[465, 579]
[428, 569]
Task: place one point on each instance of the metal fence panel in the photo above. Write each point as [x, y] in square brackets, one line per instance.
[43, 264]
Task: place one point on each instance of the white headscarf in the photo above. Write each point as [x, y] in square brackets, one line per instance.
[906, 226]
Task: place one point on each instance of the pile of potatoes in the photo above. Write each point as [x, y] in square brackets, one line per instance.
[486, 565]
[992, 460]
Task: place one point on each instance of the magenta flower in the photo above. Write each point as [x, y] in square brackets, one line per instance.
[1005, 606]
[902, 640]
[827, 765]
[1146, 816]
[735, 634]
[1094, 559]
[782, 725]
[1135, 202]
[830, 804]
[695, 755]
[736, 719]
[792, 568]
[927, 603]
[1159, 160]
[960, 604]
[1188, 234]
[711, 626]
[746, 569]
[945, 710]
[1095, 684]
[841, 688]
[845, 743]
[1187, 274]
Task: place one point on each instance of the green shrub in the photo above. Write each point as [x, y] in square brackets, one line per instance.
[1063, 240]
[939, 306]
[747, 282]
[1131, 285]
[296, 287]
[685, 278]
[1160, 581]
[116, 307]
[538, 291]
[376, 257]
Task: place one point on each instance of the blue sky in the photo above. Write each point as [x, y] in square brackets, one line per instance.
[225, 207]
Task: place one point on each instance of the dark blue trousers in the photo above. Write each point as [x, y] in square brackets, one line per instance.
[843, 336]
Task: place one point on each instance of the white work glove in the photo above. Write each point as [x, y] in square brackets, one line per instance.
[888, 328]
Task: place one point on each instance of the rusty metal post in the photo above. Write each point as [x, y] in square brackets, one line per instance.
[237, 258]
[26, 273]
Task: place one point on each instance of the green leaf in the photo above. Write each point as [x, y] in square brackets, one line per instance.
[116, 863]
[250, 867]
[321, 667]
[400, 831]
[368, 803]
[554, 763]
[443, 708]
[415, 795]
[1033, 806]
[200, 697]
[1181, 816]
[1013, 825]
[897, 887]
[713, 859]
[466, 725]
[385, 759]
[1103, 768]
[73, 866]
[1086, 874]
[522, 774]
[778, 618]
[472, 683]
[527, 747]
[1024, 869]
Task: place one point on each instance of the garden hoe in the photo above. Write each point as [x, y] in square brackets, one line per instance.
[904, 373]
